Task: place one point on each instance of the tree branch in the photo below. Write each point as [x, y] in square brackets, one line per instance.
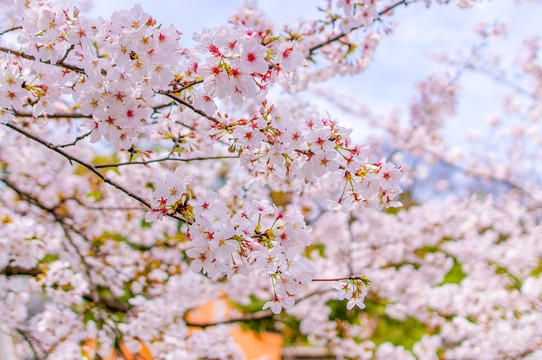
[81, 137]
[90, 167]
[191, 107]
[196, 130]
[17, 270]
[26, 338]
[144, 162]
[111, 305]
[59, 63]
[10, 30]
[58, 115]
[342, 278]
[184, 87]
[342, 34]
[65, 227]
[249, 317]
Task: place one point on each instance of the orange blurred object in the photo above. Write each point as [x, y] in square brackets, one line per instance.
[125, 354]
[255, 345]
[252, 344]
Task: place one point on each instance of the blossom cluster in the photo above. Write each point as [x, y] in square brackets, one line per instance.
[21, 241]
[353, 290]
[205, 185]
[240, 63]
[114, 69]
[228, 239]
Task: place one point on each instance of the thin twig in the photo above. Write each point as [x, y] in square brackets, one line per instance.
[161, 106]
[191, 107]
[100, 208]
[59, 115]
[26, 338]
[34, 201]
[90, 167]
[189, 85]
[474, 50]
[81, 137]
[260, 315]
[249, 317]
[61, 61]
[33, 58]
[342, 34]
[63, 224]
[343, 278]
[194, 129]
[145, 162]
[111, 305]
[10, 30]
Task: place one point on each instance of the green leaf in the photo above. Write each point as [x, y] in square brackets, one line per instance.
[399, 332]
[538, 270]
[145, 224]
[455, 275]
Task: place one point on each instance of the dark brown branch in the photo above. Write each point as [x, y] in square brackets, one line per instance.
[81, 137]
[71, 158]
[186, 86]
[191, 107]
[17, 270]
[343, 278]
[161, 106]
[145, 162]
[191, 84]
[59, 115]
[249, 317]
[90, 167]
[74, 115]
[26, 338]
[111, 305]
[66, 228]
[100, 208]
[260, 315]
[32, 58]
[10, 30]
[61, 61]
[194, 129]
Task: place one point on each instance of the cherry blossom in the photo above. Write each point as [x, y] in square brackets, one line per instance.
[140, 180]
